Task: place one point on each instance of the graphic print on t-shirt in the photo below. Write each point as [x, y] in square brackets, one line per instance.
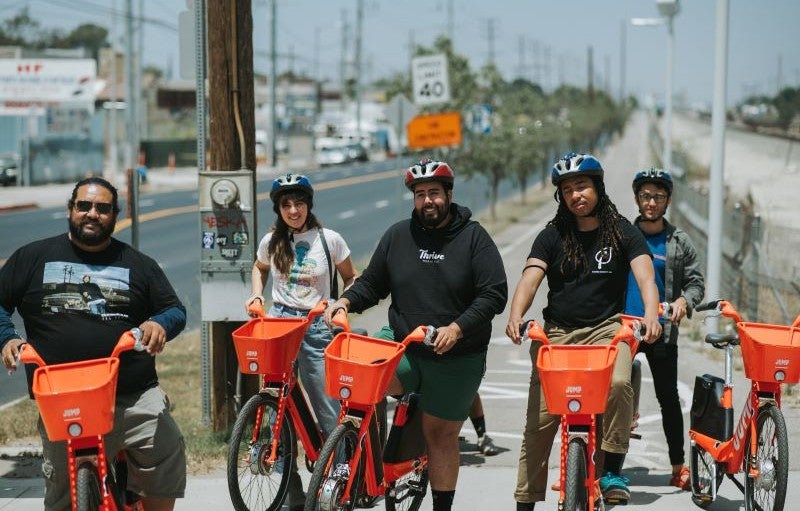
[603, 257]
[301, 275]
[76, 288]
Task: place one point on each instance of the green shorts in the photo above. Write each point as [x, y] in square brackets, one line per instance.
[447, 385]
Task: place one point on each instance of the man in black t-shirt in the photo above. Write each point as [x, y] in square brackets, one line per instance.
[66, 320]
[585, 252]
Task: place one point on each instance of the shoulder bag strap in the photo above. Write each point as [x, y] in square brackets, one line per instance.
[331, 266]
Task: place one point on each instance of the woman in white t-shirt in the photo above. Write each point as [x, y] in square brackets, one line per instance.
[294, 255]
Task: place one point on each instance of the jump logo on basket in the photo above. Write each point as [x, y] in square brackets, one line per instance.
[344, 378]
[427, 256]
[574, 389]
[603, 256]
[71, 412]
[782, 362]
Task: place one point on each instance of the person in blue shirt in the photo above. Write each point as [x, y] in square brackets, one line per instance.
[680, 283]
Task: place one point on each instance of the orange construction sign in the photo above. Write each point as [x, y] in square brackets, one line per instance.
[434, 130]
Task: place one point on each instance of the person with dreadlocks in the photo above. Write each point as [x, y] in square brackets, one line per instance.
[302, 258]
[586, 252]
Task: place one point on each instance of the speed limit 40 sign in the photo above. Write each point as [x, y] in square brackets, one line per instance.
[429, 79]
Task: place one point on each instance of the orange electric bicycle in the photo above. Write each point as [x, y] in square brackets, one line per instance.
[76, 403]
[576, 380]
[758, 446]
[354, 468]
[262, 449]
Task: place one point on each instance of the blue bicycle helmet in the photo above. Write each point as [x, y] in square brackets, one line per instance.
[288, 183]
[658, 177]
[428, 170]
[573, 164]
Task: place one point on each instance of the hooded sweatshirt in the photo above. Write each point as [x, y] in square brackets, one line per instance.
[436, 277]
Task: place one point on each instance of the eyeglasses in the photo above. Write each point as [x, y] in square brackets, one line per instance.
[660, 198]
[102, 208]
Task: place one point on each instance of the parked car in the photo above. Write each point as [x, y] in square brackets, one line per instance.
[356, 152]
[8, 169]
[331, 156]
[339, 154]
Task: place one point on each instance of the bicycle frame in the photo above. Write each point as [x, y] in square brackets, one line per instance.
[268, 347]
[84, 441]
[731, 452]
[582, 425]
[366, 465]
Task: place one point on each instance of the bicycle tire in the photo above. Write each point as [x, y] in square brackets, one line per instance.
[576, 496]
[254, 486]
[408, 492]
[768, 491]
[704, 485]
[87, 488]
[327, 482]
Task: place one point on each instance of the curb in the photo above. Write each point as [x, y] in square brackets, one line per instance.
[18, 207]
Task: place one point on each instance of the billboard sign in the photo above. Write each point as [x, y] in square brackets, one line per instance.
[48, 82]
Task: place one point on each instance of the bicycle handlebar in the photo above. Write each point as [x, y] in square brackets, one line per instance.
[720, 307]
[129, 340]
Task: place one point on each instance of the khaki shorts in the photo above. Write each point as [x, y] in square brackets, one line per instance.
[153, 443]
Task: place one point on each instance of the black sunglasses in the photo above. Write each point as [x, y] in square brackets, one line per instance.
[102, 208]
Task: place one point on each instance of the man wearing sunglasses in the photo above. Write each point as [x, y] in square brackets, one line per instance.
[58, 285]
[680, 282]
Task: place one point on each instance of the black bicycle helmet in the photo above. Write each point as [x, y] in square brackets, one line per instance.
[573, 164]
[659, 177]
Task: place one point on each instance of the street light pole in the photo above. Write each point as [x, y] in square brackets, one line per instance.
[667, 158]
[716, 177]
[668, 9]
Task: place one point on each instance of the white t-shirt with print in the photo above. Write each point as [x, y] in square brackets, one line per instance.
[309, 279]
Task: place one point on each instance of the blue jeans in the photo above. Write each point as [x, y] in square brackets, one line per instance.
[311, 365]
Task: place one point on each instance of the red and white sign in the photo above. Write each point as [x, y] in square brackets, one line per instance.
[48, 81]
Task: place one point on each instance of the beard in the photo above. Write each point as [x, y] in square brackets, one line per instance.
[432, 219]
[91, 239]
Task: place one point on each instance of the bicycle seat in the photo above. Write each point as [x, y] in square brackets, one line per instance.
[722, 340]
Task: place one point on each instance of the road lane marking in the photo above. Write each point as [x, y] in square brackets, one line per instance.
[382, 204]
[344, 215]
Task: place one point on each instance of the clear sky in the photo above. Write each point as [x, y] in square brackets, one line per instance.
[764, 39]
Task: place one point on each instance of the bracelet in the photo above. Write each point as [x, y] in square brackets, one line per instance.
[259, 297]
[534, 266]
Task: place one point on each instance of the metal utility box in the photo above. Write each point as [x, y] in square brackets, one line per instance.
[227, 243]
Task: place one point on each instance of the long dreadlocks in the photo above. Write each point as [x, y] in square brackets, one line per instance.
[564, 222]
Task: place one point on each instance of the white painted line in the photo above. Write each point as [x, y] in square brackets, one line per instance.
[347, 214]
[382, 204]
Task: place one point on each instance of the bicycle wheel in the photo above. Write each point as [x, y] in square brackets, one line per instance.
[87, 488]
[331, 472]
[253, 483]
[576, 496]
[767, 491]
[704, 482]
[408, 492]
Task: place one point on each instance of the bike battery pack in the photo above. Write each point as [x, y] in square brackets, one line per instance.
[708, 416]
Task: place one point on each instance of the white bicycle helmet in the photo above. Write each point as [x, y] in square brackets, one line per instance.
[428, 170]
[573, 164]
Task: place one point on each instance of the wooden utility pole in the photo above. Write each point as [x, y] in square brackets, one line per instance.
[231, 147]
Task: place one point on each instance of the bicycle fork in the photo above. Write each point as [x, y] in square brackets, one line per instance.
[583, 427]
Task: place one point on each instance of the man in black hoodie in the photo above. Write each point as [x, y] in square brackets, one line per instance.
[442, 269]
